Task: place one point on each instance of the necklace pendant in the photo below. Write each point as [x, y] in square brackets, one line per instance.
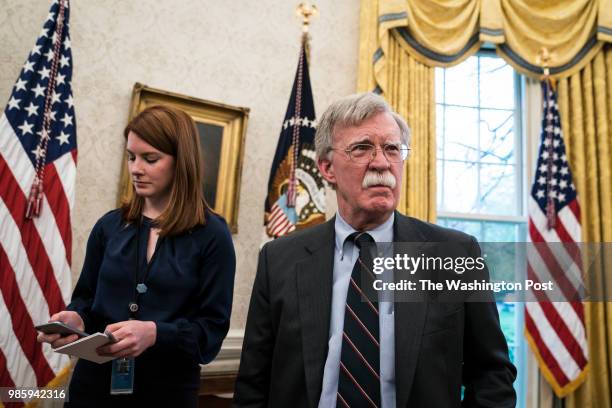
[141, 288]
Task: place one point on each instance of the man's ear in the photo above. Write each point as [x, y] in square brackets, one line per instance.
[327, 170]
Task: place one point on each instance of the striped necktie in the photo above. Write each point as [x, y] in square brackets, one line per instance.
[359, 376]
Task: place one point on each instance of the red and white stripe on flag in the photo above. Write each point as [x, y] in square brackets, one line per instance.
[556, 330]
[37, 138]
[278, 224]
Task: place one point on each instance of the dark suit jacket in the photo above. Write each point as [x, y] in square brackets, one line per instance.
[437, 348]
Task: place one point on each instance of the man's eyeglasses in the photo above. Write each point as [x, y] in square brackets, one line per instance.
[365, 152]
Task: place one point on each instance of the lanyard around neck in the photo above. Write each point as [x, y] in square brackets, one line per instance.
[140, 286]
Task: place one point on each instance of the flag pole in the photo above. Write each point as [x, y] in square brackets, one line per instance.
[37, 190]
[306, 11]
[544, 58]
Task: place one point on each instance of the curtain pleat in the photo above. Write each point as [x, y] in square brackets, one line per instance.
[585, 102]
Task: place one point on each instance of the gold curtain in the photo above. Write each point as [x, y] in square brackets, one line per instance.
[568, 29]
[408, 86]
[434, 32]
[585, 102]
[443, 32]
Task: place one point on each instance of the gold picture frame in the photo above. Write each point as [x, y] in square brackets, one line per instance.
[222, 131]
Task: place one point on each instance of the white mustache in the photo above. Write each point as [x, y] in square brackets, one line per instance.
[375, 178]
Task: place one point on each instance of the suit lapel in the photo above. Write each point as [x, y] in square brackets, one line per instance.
[314, 288]
[409, 321]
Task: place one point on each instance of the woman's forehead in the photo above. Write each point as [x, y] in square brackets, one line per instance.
[136, 144]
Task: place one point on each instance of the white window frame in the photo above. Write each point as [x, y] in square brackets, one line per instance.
[520, 176]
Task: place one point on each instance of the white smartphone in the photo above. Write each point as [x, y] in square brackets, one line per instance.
[60, 328]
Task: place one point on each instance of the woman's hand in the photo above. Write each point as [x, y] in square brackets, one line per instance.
[133, 337]
[56, 340]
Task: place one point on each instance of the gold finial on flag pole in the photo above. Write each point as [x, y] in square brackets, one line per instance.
[307, 11]
[543, 59]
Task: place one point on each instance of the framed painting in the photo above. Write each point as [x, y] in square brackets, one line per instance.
[221, 128]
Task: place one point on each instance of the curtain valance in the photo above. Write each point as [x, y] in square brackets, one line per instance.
[445, 32]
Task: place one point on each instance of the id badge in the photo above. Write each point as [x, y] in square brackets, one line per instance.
[122, 376]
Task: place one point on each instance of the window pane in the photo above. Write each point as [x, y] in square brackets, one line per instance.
[461, 84]
[498, 193]
[502, 232]
[467, 226]
[460, 187]
[497, 136]
[496, 83]
[461, 133]
[487, 231]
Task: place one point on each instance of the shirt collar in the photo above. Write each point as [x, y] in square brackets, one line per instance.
[382, 233]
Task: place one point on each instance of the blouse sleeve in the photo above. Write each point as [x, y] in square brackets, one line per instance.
[201, 336]
[85, 289]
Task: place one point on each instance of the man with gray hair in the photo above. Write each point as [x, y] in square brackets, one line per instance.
[313, 339]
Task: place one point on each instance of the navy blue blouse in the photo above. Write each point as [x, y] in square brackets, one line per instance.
[190, 284]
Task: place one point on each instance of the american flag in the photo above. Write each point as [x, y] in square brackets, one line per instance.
[555, 330]
[37, 143]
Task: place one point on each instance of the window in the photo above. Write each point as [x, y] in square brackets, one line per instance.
[480, 165]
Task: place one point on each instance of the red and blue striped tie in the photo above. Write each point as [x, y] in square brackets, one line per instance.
[359, 377]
